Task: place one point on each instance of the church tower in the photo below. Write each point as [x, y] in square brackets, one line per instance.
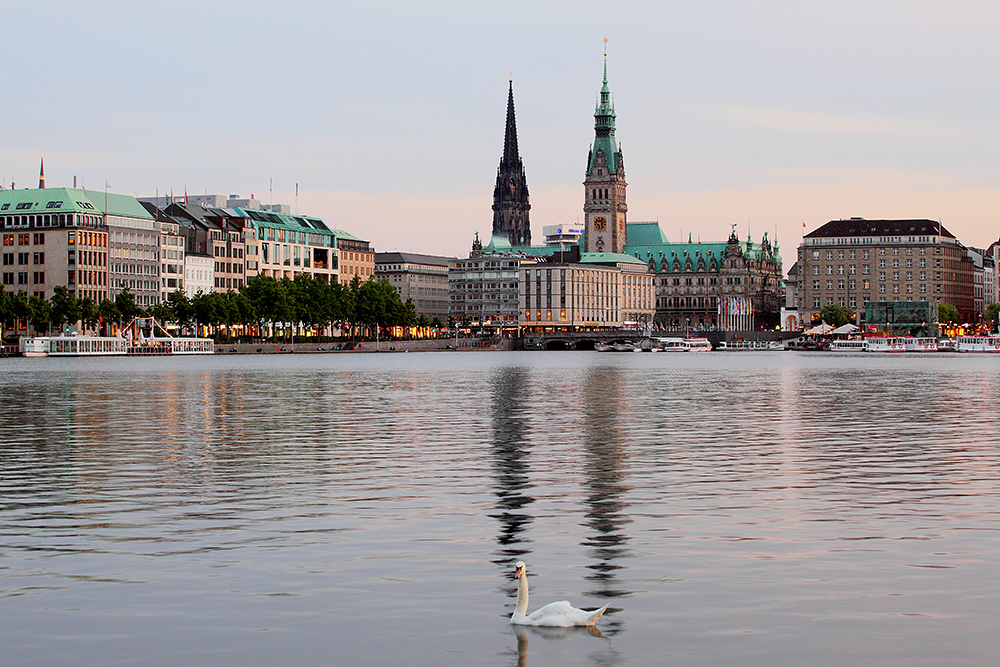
[604, 205]
[510, 197]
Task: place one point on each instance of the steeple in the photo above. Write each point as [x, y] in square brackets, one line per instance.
[510, 196]
[604, 186]
[41, 173]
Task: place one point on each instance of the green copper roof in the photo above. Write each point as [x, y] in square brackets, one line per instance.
[604, 128]
[642, 243]
[609, 258]
[71, 200]
[645, 233]
[299, 223]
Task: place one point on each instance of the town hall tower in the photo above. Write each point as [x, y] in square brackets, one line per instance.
[604, 205]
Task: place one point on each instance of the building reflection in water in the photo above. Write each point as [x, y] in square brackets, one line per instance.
[510, 466]
[605, 461]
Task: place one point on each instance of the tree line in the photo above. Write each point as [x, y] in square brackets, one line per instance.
[272, 306]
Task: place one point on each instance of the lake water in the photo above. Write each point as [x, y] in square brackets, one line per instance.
[365, 509]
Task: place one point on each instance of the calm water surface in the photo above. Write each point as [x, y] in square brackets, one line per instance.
[745, 508]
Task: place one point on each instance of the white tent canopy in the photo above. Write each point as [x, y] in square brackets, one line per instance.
[844, 330]
[819, 330]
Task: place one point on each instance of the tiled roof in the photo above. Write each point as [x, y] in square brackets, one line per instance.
[862, 227]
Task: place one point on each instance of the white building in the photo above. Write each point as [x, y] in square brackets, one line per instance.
[199, 274]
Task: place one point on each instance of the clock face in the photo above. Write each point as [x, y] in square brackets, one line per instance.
[600, 223]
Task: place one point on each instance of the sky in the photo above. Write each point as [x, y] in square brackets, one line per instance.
[390, 116]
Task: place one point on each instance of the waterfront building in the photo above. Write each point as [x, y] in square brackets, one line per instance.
[857, 261]
[133, 248]
[173, 238]
[421, 279]
[790, 310]
[604, 206]
[217, 232]
[199, 274]
[732, 285]
[281, 245]
[598, 291]
[483, 290]
[357, 257]
[59, 236]
[982, 280]
[510, 195]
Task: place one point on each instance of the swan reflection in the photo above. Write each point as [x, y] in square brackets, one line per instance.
[523, 632]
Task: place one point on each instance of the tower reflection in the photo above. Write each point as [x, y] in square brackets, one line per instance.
[510, 465]
[606, 457]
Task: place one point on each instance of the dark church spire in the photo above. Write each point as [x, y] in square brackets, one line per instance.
[510, 197]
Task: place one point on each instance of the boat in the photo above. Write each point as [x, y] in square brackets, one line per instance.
[977, 344]
[86, 346]
[891, 344]
[624, 346]
[108, 346]
[750, 345]
[602, 347]
[848, 345]
[672, 345]
[947, 345]
[920, 344]
[36, 346]
[698, 344]
[172, 346]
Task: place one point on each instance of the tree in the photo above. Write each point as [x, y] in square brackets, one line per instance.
[836, 315]
[6, 310]
[180, 307]
[88, 313]
[436, 322]
[107, 312]
[947, 313]
[39, 313]
[993, 314]
[19, 305]
[128, 309]
[64, 307]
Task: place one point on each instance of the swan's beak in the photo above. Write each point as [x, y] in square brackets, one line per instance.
[517, 573]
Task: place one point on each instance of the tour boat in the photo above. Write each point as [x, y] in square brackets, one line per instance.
[885, 344]
[106, 346]
[698, 344]
[37, 346]
[673, 345]
[750, 345]
[920, 344]
[850, 345]
[977, 344]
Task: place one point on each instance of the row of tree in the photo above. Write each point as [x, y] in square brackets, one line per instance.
[268, 305]
[836, 315]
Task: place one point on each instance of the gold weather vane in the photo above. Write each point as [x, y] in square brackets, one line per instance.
[605, 47]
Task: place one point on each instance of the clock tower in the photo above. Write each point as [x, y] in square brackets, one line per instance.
[604, 205]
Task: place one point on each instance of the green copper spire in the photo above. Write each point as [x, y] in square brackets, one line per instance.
[604, 125]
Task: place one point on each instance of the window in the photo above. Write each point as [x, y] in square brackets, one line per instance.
[815, 269]
[38, 277]
[829, 269]
[829, 254]
[39, 258]
[815, 284]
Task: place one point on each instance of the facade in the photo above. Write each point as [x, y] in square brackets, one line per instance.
[601, 291]
[217, 232]
[790, 311]
[199, 274]
[172, 242]
[483, 290]
[510, 196]
[604, 206]
[854, 262]
[281, 245]
[732, 286]
[357, 257]
[55, 236]
[133, 248]
[421, 279]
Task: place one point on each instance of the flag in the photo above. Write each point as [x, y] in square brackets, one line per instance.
[185, 194]
[296, 189]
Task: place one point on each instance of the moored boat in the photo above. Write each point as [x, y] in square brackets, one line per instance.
[750, 345]
[673, 345]
[848, 345]
[893, 344]
[698, 344]
[977, 344]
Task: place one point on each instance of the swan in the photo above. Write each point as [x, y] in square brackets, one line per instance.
[555, 614]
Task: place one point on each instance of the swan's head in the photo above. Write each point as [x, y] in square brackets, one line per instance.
[518, 569]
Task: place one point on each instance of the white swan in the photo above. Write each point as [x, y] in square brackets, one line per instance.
[555, 614]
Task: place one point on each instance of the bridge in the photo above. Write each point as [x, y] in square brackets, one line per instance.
[586, 340]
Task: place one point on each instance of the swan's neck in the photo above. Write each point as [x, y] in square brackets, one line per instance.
[522, 598]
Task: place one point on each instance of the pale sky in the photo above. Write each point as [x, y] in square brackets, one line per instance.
[390, 116]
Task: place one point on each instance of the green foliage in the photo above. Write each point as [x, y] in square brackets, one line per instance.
[64, 307]
[39, 314]
[993, 313]
[947, 313]
[88, 312]
[108, 311]
[836, 315]
[6, 309]
[127, 307]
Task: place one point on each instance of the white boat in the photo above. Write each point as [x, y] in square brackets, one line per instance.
[36, 346]
[602, 347]
[750, 345]
[891, 344]
[848, 345]
[977, 344]
[672, 345]
[698, 344]
[624, 346]
[920, 344]
[87, 346]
